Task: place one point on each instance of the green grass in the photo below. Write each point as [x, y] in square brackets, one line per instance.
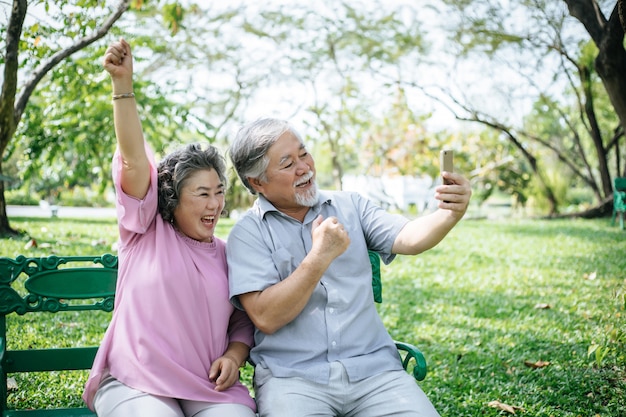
[471, 305]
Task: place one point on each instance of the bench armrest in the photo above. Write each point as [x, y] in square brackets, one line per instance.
[412, 352]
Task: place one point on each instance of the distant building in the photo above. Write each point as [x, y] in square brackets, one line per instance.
[395, 193]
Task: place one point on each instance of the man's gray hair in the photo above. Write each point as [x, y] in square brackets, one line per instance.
[249, 149]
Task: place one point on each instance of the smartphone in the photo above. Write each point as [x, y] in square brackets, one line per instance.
[446, 161]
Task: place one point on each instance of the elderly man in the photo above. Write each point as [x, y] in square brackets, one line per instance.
[299, 266]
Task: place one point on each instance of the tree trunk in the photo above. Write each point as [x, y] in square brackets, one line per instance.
[608, 35]
[595, 133]
[602, 209]
[611, 66]
[8, 117]
[5, 227]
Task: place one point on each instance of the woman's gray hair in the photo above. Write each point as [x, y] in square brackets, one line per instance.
[249, 149]
[174, 170]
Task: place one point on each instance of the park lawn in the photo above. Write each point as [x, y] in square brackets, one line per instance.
[526, 314]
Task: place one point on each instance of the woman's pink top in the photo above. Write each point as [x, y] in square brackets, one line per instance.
[172, 315]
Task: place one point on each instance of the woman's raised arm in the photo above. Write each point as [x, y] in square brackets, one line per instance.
[118, 62]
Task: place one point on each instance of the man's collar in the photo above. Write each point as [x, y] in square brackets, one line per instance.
[265, 205]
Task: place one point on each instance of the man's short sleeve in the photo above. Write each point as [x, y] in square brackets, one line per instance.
[250, 266]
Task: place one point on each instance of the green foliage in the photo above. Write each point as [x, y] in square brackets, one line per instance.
[568, 152]
[238, 198]
[489, 161]
[397, 143]
[61, 141]
[346, 57]
[21, 197]
[75, 197]
[491, 297]
[579, 197]
[66, 139]
[341, 65]
[173, 14]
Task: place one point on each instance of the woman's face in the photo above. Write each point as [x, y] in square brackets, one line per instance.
[199, 206]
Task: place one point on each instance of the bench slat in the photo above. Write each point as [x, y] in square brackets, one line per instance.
[59, 412]
[40, 360]
[75, 283]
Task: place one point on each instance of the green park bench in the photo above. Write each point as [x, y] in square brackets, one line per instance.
[619, 200]
[84, 283]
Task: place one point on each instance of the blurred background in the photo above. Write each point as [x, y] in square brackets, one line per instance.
[531, 96]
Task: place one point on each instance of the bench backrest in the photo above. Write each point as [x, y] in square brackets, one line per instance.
[49, 285]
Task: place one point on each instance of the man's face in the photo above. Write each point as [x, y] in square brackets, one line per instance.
[290, 176]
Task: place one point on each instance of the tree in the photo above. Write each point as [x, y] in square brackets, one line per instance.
[526, 39]
[610, 64]
[12, 103]
[339, 62]
[65, 140]
[35, 49]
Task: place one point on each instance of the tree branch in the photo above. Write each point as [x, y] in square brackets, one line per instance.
[81, 43]
[590, 15]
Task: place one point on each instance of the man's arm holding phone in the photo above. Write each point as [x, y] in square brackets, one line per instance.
[425, 232]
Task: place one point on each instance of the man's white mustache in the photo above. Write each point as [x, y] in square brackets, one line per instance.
[304, 179]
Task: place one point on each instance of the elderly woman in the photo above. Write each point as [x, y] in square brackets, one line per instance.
[175, 343]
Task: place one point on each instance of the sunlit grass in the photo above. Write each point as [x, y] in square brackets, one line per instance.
[492, 296]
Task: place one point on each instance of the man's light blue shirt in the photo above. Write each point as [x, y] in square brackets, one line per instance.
[340, 321]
